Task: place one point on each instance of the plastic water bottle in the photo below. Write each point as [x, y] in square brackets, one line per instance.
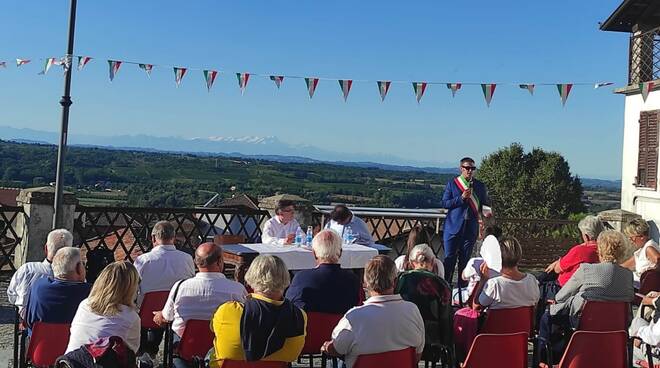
[310, 235]
[299, 237]
[350, 238]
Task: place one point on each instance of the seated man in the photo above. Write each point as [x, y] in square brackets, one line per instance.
[384, 323]
[342, 218]
[266, 326]
[19, 286]
[55, 299]
[281, 229]
[159, 270]
[327, 288]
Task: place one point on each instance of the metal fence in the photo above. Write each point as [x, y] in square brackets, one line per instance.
[10, 237]
[644, 57]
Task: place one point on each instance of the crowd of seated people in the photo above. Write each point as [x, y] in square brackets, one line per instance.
[408, 302]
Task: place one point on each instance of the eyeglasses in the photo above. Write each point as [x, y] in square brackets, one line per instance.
[287, 210]
[469, 168]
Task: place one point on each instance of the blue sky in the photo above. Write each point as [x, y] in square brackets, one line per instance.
[477, 41]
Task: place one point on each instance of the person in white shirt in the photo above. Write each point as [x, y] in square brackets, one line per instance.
[384, 323]
[342, 218]
[109, 310]
[647, 331]
[282, 228]
[647, 254]
[512, 288]
[418, 235]
[159, 269]
[200, 296]
[22, 280]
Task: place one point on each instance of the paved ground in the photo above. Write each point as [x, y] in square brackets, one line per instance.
[6, 324]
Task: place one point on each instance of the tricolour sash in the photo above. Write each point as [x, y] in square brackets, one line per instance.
[473, 201]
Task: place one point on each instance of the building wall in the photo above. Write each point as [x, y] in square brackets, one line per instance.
[645, 202]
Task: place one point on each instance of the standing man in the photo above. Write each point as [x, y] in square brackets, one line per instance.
[464, 198]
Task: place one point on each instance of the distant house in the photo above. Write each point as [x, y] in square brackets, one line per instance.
[639, 187]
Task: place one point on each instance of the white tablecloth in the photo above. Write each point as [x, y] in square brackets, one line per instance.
[301, 258]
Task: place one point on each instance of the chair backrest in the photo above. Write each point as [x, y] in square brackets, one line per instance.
[319, 330]
[596, 349]
[498, 351]
[509, 320]
[649, 281]
[404, 358]
[197, 339]
[604, 316]
[259, 364]
[47, 343]
[228, 239]
[152, 302]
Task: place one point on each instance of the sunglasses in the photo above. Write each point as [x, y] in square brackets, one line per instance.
[469, 168]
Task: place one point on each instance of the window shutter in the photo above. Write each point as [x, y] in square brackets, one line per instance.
[647, 159]
[641, 155]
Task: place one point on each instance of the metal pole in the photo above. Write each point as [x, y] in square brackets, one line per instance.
[66, 103]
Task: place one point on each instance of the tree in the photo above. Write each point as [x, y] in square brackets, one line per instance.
[537, 184]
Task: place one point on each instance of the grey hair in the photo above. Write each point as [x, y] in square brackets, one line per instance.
[327, 246]
[267, 274]
[65, 262]
[380, 274]
[591, 226]
[57, 239]
[163, 230]
[421, 253]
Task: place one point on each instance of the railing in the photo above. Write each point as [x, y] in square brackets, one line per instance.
[644, 57]
[127, 231]
[10, 237]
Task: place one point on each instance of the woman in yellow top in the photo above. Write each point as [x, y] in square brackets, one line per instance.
[266, 326]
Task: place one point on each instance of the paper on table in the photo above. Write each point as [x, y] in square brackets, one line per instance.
[487, 211]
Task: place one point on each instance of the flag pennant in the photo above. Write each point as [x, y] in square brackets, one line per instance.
[528, 87]
[646, 88]
[20, 62]
[278, 79]
[114, 66]
[564, 90]
[419, 88]
[383, 88]
[178, 75]
[147, 68]
[49, 62]
[602, 84]
[82, 61]
[488, 90]
[454, 87]
[243, 79]
[311, 86]
[345, 85]
[209, 76]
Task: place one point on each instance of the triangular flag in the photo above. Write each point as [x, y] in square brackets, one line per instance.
[20, 62]
[178, 75]
[278, 79]
[454, 87]
[419, 88]
[345, 85]
[49, 62]
[243, 80]
[311, 86]
[114, 68]
[209, 76]
[564, 91]
[82, 61]
[602, 84]
[3, 64]
[645, 88]
[383, 88]
[147, 68]
[529, 87]
[489, 91]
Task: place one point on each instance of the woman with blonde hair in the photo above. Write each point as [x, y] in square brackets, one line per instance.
[647, 255]
[109, 310]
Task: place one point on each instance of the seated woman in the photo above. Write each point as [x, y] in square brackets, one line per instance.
[109, 310]
[646, 257]
[512, 288]
[418, 235]
[604, 281]
[266, 326]
[431, 295]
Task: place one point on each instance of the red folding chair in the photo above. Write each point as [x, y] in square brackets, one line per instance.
[47, 343]
[258, 364]
[604, 316]
[498, 351]
[509, 320]
[195, 343]
[405, 358]
[319, 330]
[649, 281]
[588, 349]
[152, 302]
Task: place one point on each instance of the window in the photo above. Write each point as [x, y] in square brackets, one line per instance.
[647, 159]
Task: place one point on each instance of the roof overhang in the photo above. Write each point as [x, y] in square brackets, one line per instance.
[631, 13]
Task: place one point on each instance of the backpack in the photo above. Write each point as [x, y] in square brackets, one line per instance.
[97, 259]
